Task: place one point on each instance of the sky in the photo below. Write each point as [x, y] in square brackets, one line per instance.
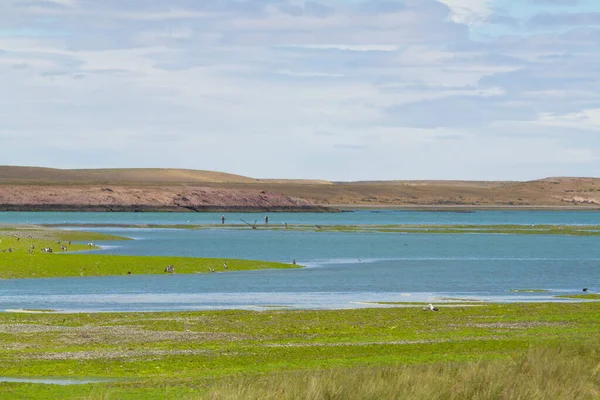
[327, 89]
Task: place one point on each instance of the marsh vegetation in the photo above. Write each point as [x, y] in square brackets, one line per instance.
[537, 351]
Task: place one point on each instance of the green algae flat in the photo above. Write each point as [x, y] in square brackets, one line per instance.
[15, 265]
[587, 296]
[182, 354]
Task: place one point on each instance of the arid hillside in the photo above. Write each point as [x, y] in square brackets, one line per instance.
[145, 198]
[176, 189]
[549, 192]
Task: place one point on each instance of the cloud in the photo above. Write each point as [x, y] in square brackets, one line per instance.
[405, 87]
[566, 19]
[469, 11]
[557, 2]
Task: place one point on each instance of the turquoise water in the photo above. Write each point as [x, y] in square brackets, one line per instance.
[346, 218]
[344, 270]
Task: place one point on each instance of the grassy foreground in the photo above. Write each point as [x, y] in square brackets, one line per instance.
[495, 351]
[22, 256]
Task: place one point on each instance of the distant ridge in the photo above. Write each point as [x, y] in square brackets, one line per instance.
[167, 189]
[140, 176]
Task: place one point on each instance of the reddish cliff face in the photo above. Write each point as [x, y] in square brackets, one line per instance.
[116, 198]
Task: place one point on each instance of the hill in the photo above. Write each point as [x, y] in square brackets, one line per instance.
[548, 192]
[135, 176]
[163, 189]
[38, 175]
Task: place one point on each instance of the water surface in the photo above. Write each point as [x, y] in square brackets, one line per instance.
[344, 270]
[345, 218]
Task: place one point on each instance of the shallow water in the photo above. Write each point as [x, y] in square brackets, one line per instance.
[53, 381]
[344, 270]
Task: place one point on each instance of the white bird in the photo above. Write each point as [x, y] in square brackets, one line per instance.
[432, 308]
[225, 266]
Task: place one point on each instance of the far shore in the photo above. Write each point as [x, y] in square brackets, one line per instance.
[323, 208]
[461, 207]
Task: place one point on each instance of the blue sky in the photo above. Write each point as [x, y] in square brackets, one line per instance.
[339, 90]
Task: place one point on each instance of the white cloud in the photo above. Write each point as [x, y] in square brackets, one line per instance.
[351, 47]
[586, 119]
[469, 11]
[361, 90]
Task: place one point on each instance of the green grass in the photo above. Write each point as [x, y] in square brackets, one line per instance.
[565, 372]
[245, 354]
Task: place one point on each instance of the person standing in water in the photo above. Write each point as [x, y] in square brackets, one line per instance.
[222, 220]
[267, 220]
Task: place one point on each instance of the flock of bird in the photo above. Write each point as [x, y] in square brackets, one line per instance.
[31, 249]
[170, 269]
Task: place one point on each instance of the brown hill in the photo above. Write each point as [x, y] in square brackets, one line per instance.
[228, 190]
[125, 176]
[37, 175]
[146, 198]
[549, 192]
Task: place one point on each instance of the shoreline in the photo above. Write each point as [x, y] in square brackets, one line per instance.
[459, 208]
[318, 208]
